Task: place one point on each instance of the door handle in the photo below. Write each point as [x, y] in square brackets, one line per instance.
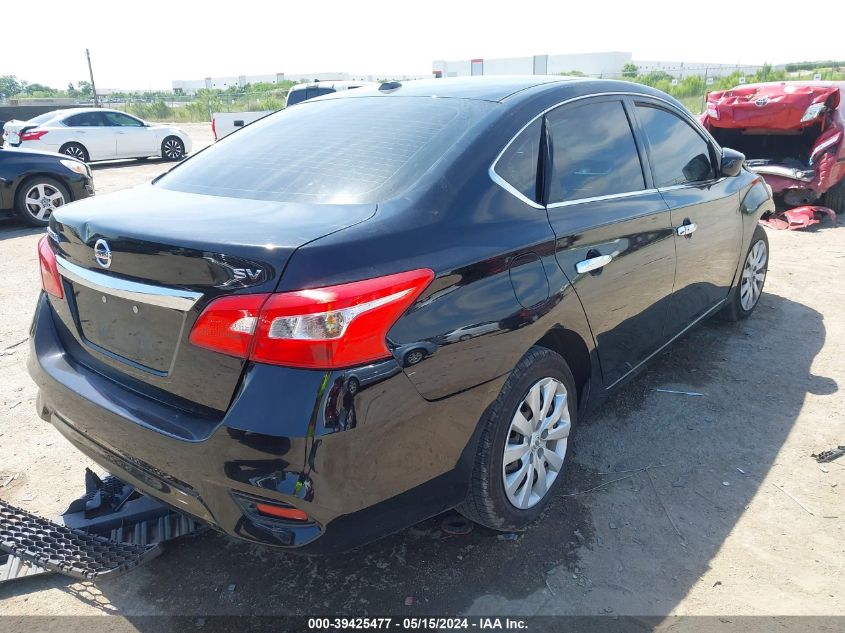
[687, 229]
[594, 263]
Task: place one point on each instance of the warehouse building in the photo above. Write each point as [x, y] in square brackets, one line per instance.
[607, 64]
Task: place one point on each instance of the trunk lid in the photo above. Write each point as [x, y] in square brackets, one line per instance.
[140, 265]
[778, 106]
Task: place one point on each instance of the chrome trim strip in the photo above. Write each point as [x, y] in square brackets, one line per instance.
[173, 298]
[496, 178]
[614, 196]
[504, 184]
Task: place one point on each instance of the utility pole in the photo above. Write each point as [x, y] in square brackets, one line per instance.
[91, 72]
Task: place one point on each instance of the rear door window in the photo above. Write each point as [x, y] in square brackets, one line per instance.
[594, 153]
[83, 119]
[518, 164]
[679, 155]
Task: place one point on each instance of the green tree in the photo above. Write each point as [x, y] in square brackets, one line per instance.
[84, 88]
[630, 70]
[9, 85]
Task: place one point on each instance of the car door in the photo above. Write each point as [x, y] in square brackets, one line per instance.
[89, 129]
[704, 208]
[613, 230]
[133, 139]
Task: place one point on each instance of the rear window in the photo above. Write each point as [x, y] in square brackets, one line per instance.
[338, 150]
[43, 118]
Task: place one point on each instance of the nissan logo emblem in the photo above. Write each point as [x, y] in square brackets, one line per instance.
[102, 253]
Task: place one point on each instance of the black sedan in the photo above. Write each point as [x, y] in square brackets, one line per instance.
[388, 302]
[34, 184]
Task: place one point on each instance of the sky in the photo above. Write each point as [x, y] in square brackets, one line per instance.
[146, 45]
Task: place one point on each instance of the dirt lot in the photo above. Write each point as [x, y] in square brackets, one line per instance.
[733, 517]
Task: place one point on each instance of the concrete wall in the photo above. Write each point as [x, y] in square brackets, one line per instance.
[689, 69]
[26, 112]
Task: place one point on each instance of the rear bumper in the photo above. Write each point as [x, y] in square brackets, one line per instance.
[359, 451]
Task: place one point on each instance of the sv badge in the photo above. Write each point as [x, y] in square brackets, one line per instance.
[234, 272]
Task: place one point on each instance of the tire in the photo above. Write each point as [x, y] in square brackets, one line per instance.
[75, 150]
[172, 148]
[741, 305]
[488, 502]
[834, 198]
[38, 197]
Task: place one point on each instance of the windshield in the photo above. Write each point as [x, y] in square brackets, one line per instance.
[351, 150]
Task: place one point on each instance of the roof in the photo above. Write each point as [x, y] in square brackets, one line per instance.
[485, 88]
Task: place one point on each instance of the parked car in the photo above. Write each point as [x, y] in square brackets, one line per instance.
[90, 134]
[302, 92]
[224, 123]
[791, 133]
[34, 184]
[232, 338]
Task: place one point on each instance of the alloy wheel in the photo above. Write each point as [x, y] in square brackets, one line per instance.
[172, 149]
[536, 444]
[76, 152]
[42, 199]
[753, 276]
[414, 357]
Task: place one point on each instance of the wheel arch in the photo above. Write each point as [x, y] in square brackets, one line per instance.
[574, 351]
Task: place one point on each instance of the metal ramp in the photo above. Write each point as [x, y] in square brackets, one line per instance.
[106, 532]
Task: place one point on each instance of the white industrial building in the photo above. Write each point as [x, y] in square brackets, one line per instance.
[587, 63]
[607, 64]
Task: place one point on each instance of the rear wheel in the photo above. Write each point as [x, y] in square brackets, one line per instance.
[75, 150]
[747, 294]
[834, 198]
[172, 148]
[523, 444]
[38, 197]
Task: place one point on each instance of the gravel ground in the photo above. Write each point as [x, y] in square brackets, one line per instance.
[677, 504]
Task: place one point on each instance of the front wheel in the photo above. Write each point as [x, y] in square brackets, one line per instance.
[37, 198]
[172, 148]
[748, 291]
[523, 444]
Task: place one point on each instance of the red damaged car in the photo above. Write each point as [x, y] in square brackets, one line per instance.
[791, 132]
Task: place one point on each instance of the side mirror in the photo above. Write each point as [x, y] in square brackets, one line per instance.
[732, 161]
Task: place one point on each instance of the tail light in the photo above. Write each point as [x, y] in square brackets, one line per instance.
[812, 112]
[50, 280]
[214, 128]
[33, 135]
[320, 328]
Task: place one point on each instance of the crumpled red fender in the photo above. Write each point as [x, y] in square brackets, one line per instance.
[798, 218]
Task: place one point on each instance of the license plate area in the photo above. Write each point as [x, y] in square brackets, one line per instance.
[140, 333]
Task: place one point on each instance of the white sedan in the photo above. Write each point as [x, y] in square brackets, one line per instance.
[90, 134]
